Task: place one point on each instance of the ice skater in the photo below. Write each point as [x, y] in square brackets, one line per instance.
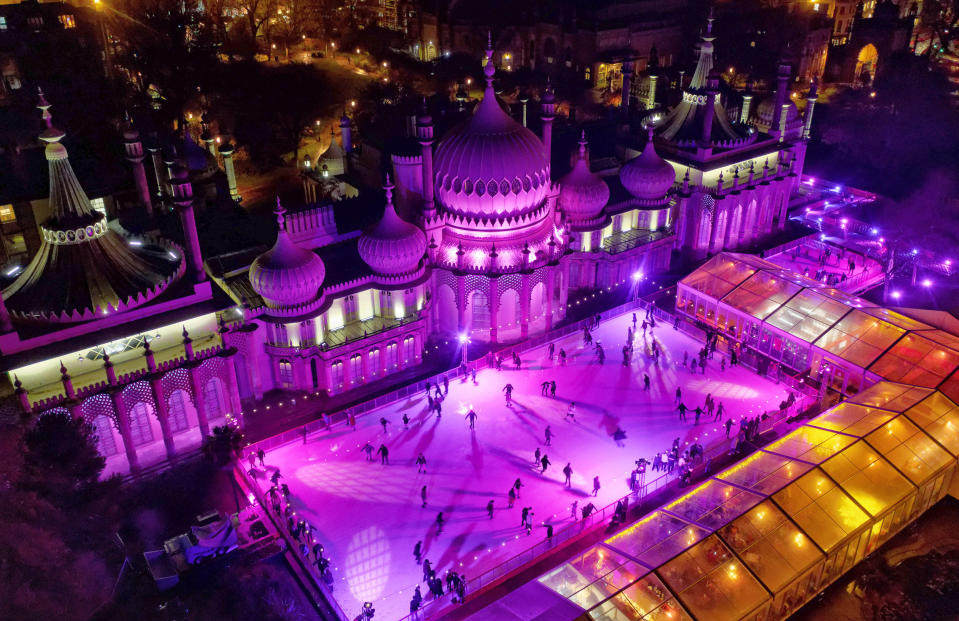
[573, 510]
[571, 411]
[728, 425]
[552, 388]
[595, 485]
[645, 382]
[384, 454]
[418, 552]
[252, 458]
[439, 409]
[568, 473]
[368, 449]
[384, 422]
[423, 495]
[549, 435]
[511, 495]
[471, 417]
[525, 515]
[508, 389]
[420, 463]
[406, 421]
[517, 485]
[260, 455]
[446, 385]
[550, 350]
[427, 566]
[699, 412]
[545, 462]
[489, 509]
[681, 408]
[720, 411]
[439, 523]
[543, 387]
[679, 395]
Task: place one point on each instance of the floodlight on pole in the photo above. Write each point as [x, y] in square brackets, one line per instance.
[465, 342]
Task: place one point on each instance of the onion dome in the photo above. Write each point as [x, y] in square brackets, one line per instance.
[85, 269]
[490, 166]
[287, 276]
[583, 193]
[764, 118]
[648, 176]
[393, 247]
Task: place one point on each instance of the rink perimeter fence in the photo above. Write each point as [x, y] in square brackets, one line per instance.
[573, 530]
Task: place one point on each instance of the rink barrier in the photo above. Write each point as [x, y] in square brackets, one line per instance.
[601, 516]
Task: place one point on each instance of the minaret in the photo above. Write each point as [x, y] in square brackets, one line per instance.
[778, 128]
[627, 84]
[709, 113]
[183, 199]
[156, 158]
[226, 150]
[346, 133]
[747, 102]
[524, 100]
[653, 78]
[134, 154]
[424, 133]
[811, 98]
[549, 114]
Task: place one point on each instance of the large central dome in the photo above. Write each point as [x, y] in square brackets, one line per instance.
[490, 166]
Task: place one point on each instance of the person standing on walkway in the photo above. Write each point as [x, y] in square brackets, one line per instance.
[545, 463]
[489, 509]
[646, 382]
[568, 473]
[418, 552]
[595, 485]
[549, 435]
[446, 385]
[471, 417]
[511, 495]
[420, 463]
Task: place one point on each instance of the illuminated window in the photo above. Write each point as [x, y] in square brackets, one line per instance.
[7, 214]
[356, 367]
[176, 415]
[391, 356]
[68, 21]
[213, 397]
[98, 205]
[3, 23]
[140, 430]
[106, 443]
[286, 374]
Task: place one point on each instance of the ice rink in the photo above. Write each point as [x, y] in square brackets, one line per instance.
[369, 516]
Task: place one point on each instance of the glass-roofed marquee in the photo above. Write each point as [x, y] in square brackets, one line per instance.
[804, 325]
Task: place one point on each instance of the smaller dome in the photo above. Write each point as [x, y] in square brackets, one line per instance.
[764, 111]
[286, 275]
[393, 247]
[648, 176]
[583, 194]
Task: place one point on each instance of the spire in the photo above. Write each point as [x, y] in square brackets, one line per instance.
[582, 145]
[705, 63]
[67, 198]
[280, 219]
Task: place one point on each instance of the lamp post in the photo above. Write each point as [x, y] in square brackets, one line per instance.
[465, 342]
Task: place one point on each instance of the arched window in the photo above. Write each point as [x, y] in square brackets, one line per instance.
[214, 398]
[336, 372]
[176, 411]
[106, 443]
[285, 374]
[140, 430]
[480, 309]
[356, 368]
[392, 361]
[409, 349]
[375, 361]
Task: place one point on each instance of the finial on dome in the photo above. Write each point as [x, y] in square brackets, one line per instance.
[51, 133]
[63, 368]
[280, 220]
[489, 42]
[582, 145]
[17, 383]
[489, 70]
[389, 191]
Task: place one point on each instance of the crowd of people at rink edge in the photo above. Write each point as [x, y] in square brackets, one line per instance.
[674, 461]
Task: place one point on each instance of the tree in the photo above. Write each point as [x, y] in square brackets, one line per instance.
[257, 13]
[60, 456]
[940, 19]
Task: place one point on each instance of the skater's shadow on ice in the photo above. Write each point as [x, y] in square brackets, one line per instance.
[426, 438]
[476, 457]
[453, 552]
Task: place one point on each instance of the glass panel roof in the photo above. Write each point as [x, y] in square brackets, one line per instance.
[859, 338]
[909, 449]
[808, 314]
[719, 275]
[822, 510]
[890, 396]
[711, 582]
[897, 319]
[867, 477]
[857, 420]
[595, 565]
[950, 387]
[647, 599]
[713, 504]
[810, 444]
[656, 538]
[770, 545]
[939, 417]
[761, 294]
[916, 360]
[764, 473]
